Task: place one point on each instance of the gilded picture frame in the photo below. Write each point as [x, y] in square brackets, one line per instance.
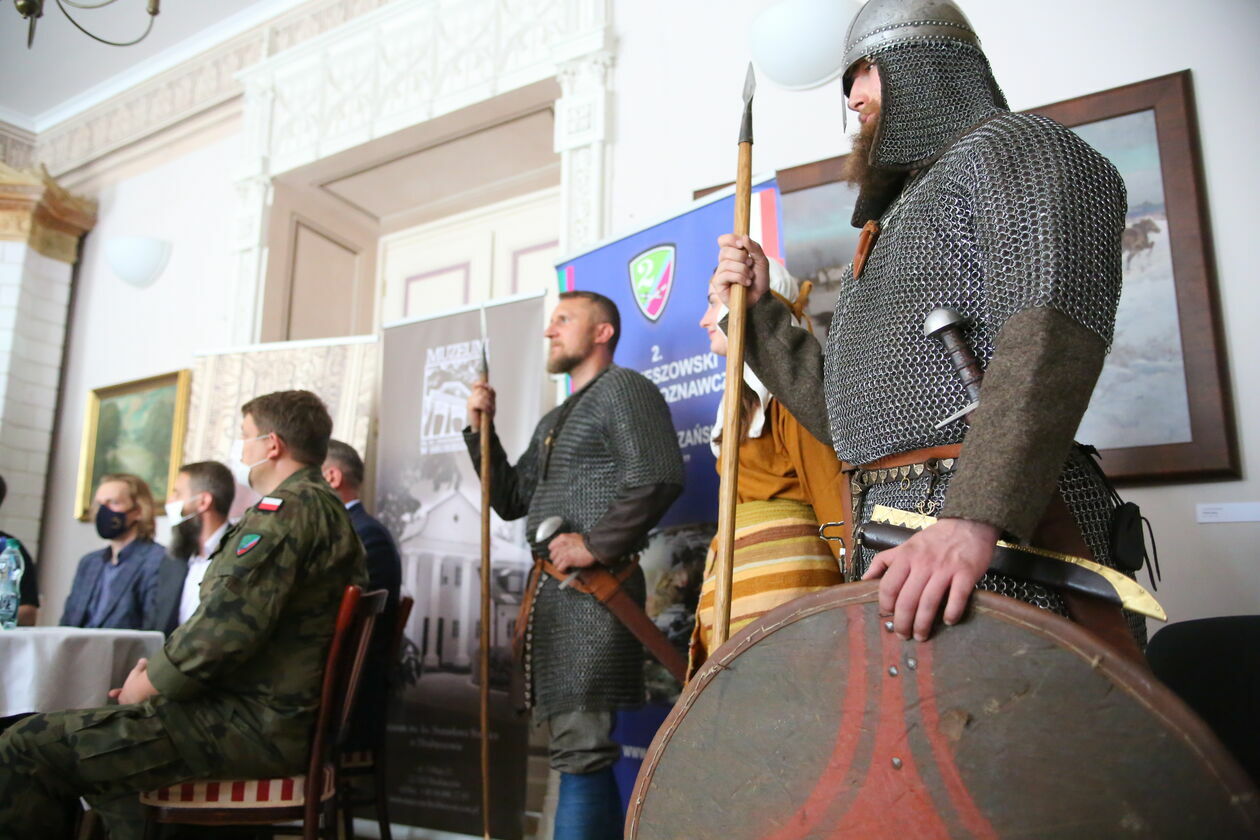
[135, 427]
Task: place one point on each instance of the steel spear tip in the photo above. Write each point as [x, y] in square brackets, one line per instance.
[745, 126]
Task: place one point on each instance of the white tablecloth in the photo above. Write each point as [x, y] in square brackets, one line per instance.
[45, 669]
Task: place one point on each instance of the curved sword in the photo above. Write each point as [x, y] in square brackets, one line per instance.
[889, 527]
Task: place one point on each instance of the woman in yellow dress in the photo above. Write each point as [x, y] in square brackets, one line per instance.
[789, 482]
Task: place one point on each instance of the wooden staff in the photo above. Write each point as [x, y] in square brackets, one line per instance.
[485, 593]
[729, 460]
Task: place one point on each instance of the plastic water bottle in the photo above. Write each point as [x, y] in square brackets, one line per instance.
[11, 568]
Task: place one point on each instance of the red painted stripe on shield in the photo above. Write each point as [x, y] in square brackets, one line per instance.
[959, 796]
[846, 743]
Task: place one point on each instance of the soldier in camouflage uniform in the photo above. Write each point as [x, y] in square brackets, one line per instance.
[607, 463]
[233, 693]
[1015, 222]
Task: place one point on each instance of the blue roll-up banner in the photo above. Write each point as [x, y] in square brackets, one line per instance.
[659, 279]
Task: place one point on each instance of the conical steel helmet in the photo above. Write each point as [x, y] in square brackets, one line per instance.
[884, 23]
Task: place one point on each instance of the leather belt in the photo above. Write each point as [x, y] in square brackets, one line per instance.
[1057, 531]
[605, 587]
[914, 456]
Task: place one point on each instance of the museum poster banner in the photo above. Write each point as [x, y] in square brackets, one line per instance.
[659, 279]
[429, 496]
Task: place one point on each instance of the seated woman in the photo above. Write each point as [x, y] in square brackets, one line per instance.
[788, 483]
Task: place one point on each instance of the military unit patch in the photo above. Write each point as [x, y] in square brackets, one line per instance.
[270, 503]
[247, 542]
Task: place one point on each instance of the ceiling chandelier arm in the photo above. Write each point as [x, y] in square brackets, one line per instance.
[99, 5]
[61, 4]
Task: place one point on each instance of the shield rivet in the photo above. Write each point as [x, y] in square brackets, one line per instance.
[896, 763]
[888, 625]
[892, 671]
[912, 663]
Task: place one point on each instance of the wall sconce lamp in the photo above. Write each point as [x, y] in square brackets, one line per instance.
[137, 260]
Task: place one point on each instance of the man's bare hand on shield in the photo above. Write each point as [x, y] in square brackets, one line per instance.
[942, 562]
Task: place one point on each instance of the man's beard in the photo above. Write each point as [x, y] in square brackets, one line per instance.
[877, 187]
[857, 168]
[186, 538]
[564, 364]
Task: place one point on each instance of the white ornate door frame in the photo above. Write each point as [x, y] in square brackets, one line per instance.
[411, 61]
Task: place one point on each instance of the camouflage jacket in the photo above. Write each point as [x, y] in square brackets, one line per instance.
[244, 672]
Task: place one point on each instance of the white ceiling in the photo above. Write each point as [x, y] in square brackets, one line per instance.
[66, 72]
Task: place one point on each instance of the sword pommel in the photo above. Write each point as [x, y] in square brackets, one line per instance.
[945, 325]
[942, 318]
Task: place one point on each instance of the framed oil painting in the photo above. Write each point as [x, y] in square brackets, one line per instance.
[136, 427]
[1162, 410]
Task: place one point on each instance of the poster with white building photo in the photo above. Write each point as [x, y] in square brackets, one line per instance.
[428, 495]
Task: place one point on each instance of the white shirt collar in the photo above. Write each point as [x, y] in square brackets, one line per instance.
[212, 544]
[352, 503]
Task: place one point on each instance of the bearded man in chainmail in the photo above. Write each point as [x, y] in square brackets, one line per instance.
[1015, 222]
[607, 463]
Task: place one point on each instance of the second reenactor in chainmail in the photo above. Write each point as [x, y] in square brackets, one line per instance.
[607, 463]
[1015, 222]
[233, 693]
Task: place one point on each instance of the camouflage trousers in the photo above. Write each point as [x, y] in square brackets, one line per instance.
[105, 755]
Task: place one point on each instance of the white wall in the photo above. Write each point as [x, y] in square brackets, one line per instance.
[119, 333]
[679, 74]
[33, 293]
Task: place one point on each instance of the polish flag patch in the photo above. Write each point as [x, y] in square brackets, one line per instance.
[270, 503]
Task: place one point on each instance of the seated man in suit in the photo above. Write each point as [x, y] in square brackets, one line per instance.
[198, 511]
[343, 470]
[115, 586]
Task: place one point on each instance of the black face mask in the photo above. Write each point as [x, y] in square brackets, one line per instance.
[110, 523]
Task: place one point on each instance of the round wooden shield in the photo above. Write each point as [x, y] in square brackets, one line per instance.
[816, 721]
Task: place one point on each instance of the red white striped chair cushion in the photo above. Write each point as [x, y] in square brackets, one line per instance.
[251, 793]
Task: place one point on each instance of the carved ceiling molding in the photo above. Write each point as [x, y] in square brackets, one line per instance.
[36, 210]
[406, 64]
[17, 146]
[197, 85]
[403, 65]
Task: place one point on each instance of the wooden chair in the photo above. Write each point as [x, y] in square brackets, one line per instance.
[254, 802]
[369, 765]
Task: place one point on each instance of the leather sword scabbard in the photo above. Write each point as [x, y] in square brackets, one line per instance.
[1059, 532]
[605, 587]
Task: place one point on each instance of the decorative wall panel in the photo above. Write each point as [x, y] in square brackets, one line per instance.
[342, 373]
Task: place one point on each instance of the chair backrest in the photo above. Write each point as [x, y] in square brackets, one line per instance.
[405, 604]
[342, 671]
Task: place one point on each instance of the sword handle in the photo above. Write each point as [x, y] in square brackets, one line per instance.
[945, 325]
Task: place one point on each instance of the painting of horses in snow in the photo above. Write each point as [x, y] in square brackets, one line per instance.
[1141, 398]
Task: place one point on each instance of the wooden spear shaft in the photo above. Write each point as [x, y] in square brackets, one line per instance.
[729, 459]
[485, 599]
